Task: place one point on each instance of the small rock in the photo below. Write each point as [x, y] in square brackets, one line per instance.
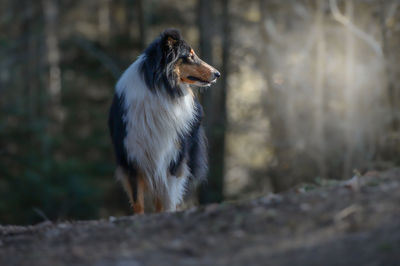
[271, 198]
[352, 184]
[239, 233]
[62, 225]
[305, 207]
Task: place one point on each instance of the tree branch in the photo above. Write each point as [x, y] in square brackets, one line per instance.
[358, 32]
[100, 55]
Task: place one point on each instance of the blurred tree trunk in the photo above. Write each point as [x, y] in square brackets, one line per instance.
[214, 99]
[273, 100]
[392, 92]
[54, 109]
[349, 93]
[142, 24]
[104, 20]
[388, 13]
[206, 25]
[319, 91]
[31, 68]
[53, 53]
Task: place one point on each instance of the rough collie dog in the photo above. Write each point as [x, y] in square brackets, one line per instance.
[155, 124]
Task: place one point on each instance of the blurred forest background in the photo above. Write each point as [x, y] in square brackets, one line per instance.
[310, 91]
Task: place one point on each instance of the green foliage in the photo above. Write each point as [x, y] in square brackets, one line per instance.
[53, 168]
[58, 189]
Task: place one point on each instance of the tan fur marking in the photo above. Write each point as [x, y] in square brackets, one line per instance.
[121, 175]
[138, 206]
[158, 205]
[171, 41]
[177, 69]
[201, 71]
[188, 81]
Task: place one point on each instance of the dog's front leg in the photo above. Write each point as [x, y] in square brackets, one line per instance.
[138, 195]
[158, 205]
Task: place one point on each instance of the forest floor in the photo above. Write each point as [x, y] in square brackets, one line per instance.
[334, 223]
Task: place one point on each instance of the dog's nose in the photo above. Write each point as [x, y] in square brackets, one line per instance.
[217, 74]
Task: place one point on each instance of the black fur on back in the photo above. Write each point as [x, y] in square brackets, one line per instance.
[118, 129]
[198, 159]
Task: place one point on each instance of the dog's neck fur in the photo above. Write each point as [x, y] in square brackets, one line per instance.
[154, 122]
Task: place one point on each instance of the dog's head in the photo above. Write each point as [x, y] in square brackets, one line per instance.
[170, 63]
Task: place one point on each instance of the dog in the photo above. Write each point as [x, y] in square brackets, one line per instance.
[155, 124]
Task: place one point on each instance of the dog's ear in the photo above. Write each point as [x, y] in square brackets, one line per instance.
[171, 42]
[170, 38]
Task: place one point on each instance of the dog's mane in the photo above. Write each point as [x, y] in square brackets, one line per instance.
[159, 61]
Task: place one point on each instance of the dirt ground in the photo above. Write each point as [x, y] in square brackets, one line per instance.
[336, 223]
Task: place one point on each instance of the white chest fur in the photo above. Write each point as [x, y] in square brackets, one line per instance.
[153, 124]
